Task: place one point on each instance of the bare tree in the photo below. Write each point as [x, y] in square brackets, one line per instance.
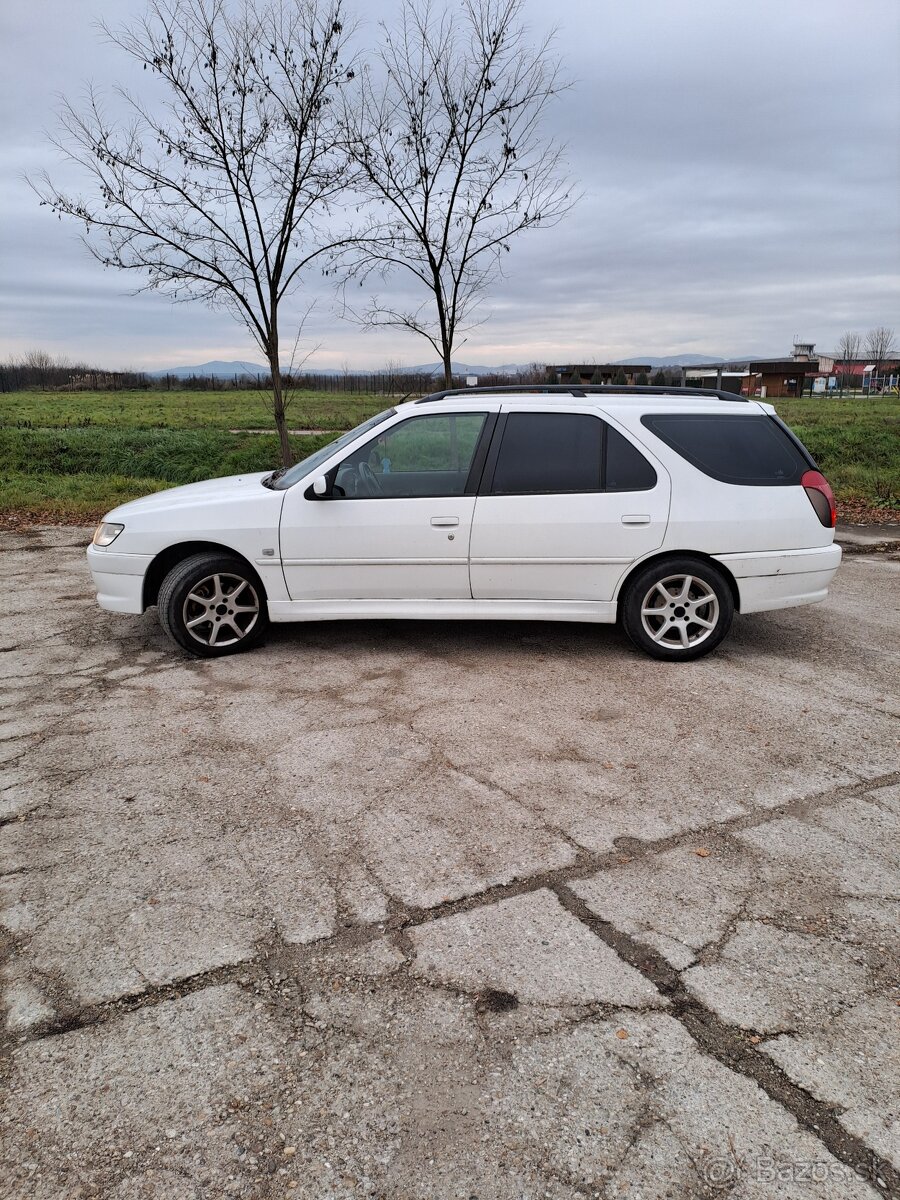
[38, 368]
[219, 193]
[446, 135]
[880, 346]
[848, 349]
[392, 376]
[40, 361]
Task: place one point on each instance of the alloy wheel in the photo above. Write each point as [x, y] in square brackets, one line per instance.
[221, 610]
[680, 612]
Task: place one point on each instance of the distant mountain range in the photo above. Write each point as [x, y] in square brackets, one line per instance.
[219, 369]
[212, 370]
[465, 369]
[670, 360]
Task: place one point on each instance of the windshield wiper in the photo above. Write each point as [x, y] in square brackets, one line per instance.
[269, 480]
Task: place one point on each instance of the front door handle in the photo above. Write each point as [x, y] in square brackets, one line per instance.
[636, 519]
[444, 522]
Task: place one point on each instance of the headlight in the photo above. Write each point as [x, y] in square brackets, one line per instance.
[106, 533]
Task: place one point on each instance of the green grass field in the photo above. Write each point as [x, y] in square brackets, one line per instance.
[856, 442]
[181, 410]
[72, 456]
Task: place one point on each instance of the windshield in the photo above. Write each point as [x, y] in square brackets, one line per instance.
[309, 464]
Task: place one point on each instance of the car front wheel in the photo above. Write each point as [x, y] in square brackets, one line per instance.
[213, 604]
[678, 609]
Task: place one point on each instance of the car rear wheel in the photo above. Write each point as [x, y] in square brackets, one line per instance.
[678, 608]
[213, 604]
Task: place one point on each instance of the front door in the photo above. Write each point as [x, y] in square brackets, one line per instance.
[397, 520]
[568, 502]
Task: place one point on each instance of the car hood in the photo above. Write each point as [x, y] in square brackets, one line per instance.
[210, 491]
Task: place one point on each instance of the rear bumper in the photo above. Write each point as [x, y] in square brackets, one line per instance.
[783, 578]
[119, 579]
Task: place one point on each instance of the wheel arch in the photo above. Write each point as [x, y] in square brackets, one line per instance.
[172, 555]
[661, 556]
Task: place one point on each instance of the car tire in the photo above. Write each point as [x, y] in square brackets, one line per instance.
[213, 604]
[678, 609]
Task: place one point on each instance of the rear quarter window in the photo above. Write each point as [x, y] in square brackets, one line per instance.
[751, 450]
[626, 468]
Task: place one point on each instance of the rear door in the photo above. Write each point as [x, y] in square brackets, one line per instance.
[567, 502]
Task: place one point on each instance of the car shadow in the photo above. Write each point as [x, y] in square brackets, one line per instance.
[448, 637]
[798, 638]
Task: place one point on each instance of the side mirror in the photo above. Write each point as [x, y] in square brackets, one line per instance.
[320, 486]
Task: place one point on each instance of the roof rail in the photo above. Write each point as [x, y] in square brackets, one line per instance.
[580, 390]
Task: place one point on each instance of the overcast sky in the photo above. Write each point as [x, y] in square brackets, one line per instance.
[740, 169]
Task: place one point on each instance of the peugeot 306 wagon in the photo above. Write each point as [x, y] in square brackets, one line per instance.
[665, 510]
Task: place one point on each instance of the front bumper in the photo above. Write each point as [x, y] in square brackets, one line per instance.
[783, 578]
[118, 578]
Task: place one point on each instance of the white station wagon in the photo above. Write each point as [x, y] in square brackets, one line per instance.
[665, 510]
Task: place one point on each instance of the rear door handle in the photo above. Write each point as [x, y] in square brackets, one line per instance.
[444, 522]
[636, 519]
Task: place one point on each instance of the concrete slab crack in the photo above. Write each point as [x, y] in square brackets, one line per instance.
[731, 1047]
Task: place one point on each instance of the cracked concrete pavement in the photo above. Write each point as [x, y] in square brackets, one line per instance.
[447, 910]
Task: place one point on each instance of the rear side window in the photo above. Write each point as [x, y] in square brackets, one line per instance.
[626, 468]
[549, 452]
[749, 450]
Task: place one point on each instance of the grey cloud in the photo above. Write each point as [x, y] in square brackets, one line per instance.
[737, 163]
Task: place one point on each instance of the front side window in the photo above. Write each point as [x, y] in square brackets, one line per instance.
[750, 450]
[281, 480]
[424, 456]
[549, 452]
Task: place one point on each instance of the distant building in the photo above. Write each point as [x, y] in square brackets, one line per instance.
[715, 375]
[767, 377]
[790, 376]
[781, 376]
[861, 373]
[604, 373]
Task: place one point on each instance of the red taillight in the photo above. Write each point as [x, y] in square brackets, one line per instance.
[821, 497]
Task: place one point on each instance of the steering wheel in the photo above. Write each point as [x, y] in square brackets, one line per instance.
[370, 479]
